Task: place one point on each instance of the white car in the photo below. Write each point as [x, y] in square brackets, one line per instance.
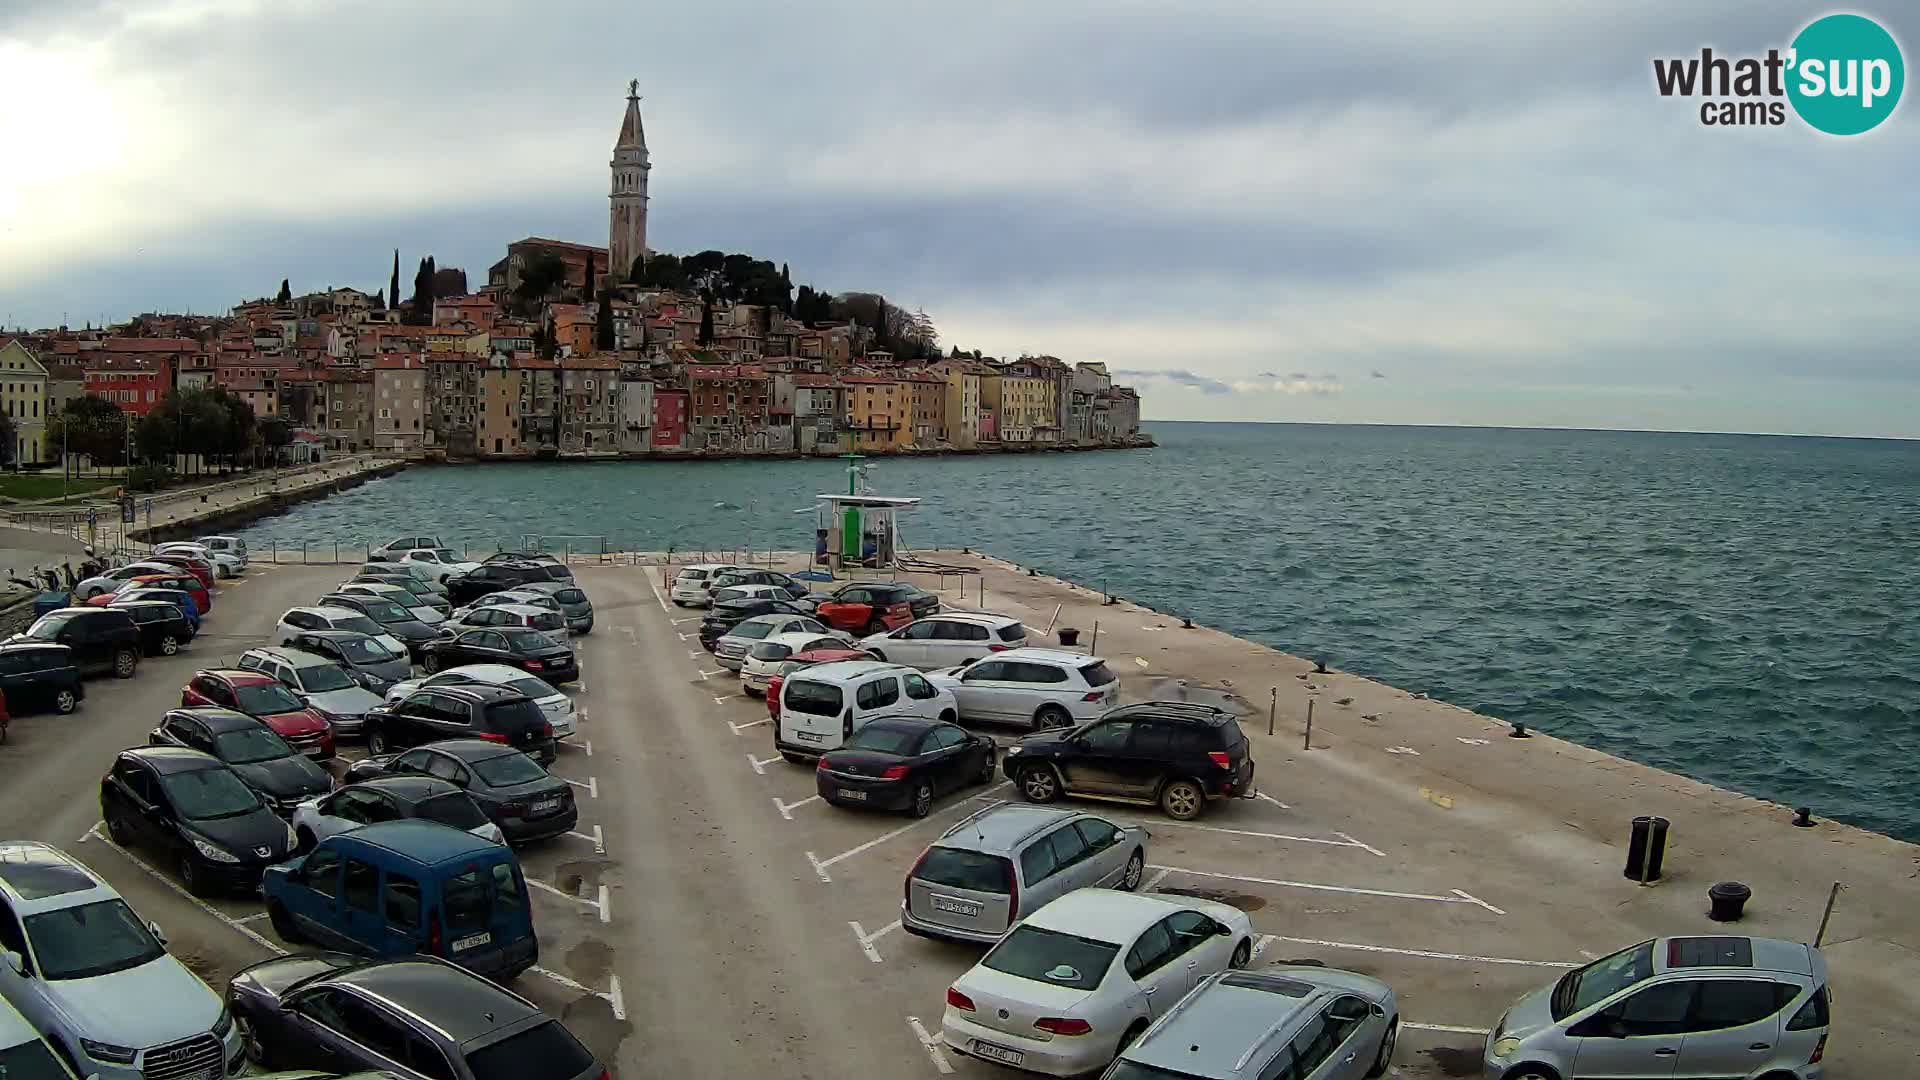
[514, 596]
[554, 705]
[224, 565]
[87, 973]
[1042, 687]
[747, 592]
[1073, 981]
[731, 647]
[226, 545]
[539, 618]
[948, 639]
[333, 618]
[820, 706]
[390, 798]
[690, 585]
[395, 594]
[112, 580]
[400, 545]
[764, 659]
[439, 563]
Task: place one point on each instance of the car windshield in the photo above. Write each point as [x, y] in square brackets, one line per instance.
[1096, 673]
[206, 794]
[445, 555]
[320, 678]
[770, 650]
[884, 740]
[265, 699]
[547, 1050]
[1051, 957]
[359, 624]
[455, 808]
[49, 627]
[88, 941]
[752, 631]
[506, 770]
[365, 650]
[530, 686]
[250, 745]
[1602, 979]
[31, 1060]
[385, 611]
[531, 641]
[819, 699]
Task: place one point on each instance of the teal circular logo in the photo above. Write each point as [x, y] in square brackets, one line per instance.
[1846, 74]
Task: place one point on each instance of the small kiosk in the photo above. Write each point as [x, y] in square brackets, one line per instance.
[858, 529]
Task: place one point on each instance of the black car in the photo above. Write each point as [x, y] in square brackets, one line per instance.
[526, 801]
[535, 652]
[194, 811]
[36, 675]
[407, 583]
[742, 575]
[104, 640]
[392, 618]
[267, 763]
[727, 614]
[492, 577]
[397, 798]
[417, 1017]
[903, 763]
[1175, 754]
[164, 628]
[554, 568]
[481, 710]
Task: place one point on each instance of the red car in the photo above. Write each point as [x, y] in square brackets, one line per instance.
[200, 568]
[869, 607]
[263, 698]
[806, 660]
[182, 580]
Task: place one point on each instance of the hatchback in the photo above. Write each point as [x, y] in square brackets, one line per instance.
[767, 655]
[300, 619]
[725, 616]
[1690, 1008]
[949, 639]
[730, 649]
[982, 875]
[263, 697]
[871, 607]
[1046, 688]
[164, 628]
[744, 575]
[534, 617]
[1302, 1023]
[101, 641]
[394, 620]
[390, 798]
[439, 563]
[282, 776]
[367, 659]
[417, 606]
[557, 707]
[573, 603]
[690, 585]
[903, 763]
[526, 801]
[195, 812]
[176, 597]
[533, 651]
[325, 686]
[477, 710]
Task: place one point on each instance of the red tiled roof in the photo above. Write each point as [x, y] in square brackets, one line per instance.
[543, 242]
[398, 362]
[149, 345]
[727, 371]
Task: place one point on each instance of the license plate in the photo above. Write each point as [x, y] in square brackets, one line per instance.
[470, 941]
[857, 796]
[957, 907]
[546, 804]
[998, 1053]
[810, 736]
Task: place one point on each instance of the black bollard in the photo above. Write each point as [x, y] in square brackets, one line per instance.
[1646, 848]
[1519, 732]
[1186, 623]
[1803, 817]
[1728, 901]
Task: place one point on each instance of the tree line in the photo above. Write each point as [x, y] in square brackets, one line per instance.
[209, 425]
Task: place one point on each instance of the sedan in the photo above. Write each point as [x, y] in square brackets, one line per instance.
[526, 801]
[1073, 982]
[193, 811]
[554, 705]
[724, 617]
[731, 647]
[416, 606]
[768, 654]
[390, 798]
[282, 776]
[903, 763]
[532, 651]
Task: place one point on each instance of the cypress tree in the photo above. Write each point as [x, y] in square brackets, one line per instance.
[706, 320]
[393, 287]
[286, 294]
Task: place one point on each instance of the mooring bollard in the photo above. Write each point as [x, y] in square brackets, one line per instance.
[1519, 731]
[1727, 901]
[1646, 849]
[1069, 636]
[1803, 817]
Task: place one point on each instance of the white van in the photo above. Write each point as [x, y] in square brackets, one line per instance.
[820, 706]
[692, 586]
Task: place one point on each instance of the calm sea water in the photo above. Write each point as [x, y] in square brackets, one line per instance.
[1735, 608]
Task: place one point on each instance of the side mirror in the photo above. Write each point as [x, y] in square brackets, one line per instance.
[1119, 836]
[1224, 930]
[154, 929]
[17, 962]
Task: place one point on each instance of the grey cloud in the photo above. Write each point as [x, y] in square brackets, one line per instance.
[1180, 376]
[1377, 374]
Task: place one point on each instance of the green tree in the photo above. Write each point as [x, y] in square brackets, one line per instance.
[275, 435]
[92, 426]
[393, 287]
[706, 319]
[6, 439]
[538, 279]
[286, 294]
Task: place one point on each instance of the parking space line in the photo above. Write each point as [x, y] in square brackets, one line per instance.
[760, 765]
[612, 997]
[787, 808]
[705, 674]
[1458, 897]
[820, 865]
[722, 699]
[1345, 841]
[663, 600]
[1263, 796]
[934, 1052]
[738, 728]
[1358, 844]
[1422, 953]
[587, 745]
[255, 917]
[246, 931]
[1444, 1027]
[1154, 881]
[600, 905]
[691, 655]
[598, 840]
[592, 786]
[866, 940]
[690, 618]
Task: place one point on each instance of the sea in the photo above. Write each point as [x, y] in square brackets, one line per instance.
[1735, 608]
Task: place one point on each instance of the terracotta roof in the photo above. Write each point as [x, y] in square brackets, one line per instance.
[543, 242]
[727, 371]
[149, 345]
[100, 363]
[398, 362]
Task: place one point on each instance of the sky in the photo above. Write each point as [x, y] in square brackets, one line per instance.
[1364, 211]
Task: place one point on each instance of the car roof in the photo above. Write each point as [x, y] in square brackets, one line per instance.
[705, 567]
[236, 675]
[216, 718]
[484, 671]
[830, 656]
[846, 670]
[1049, 656]
[78, 611]
[410, 788]
[483, 692]
[459, 1004]
[794, 638]
[1102, 914]
[427, 842]
[771, 618]
[19, 646]
[521, 609]
[1736, 952]
[982, 618]
[328, 634]
[124, 604]
[291, 655]
[1220, 1028]
[168, 760]
[472, 749]
[31, 872]
[1001, 829]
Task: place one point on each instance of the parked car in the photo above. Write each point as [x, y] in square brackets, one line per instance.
[525, 594]
[555, 706]
[82, 968]
[395, 548]
[903, 763]
[193, 811]
[1009, 861]
[823, 705]
[37, 675]
[415, 606]
[367, 660]
[725, 616]
[24, 1054]
[799, 662]
[526, 801]
[439, 562]
[748, 575]
[331, 1007]
[403, 573]
[475, 710]
[164, 628]
[172, 579]
[690, 585]
[730, 649]
[417, 590]
[390, 798]
[494, 615]
[394, 620]
[231, 546]
[1313, 1023]
[572, 600]
[1045, 688]
[324, 686]
[282, 776]
[947, 640]
[200, 568]
[103, 641]
[533, 651]
[871, 607]
[108, 581]
[493, 577]
[177, 597]
[301, 619]
[765, 656]
[726, 593]
[1690, 1008]
[1073, 983]
[401, 888]
[1177, 755]
[262, 697]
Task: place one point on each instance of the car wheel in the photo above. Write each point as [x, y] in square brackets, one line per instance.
[1039, 784]
[169, 645]
[922, 800]
[283, 924]
[1531, 1071]
[1127, 1039]
[1052, 716]
[65, 701]
[1242, 955]
[877, 655]
[1136, 869]
[1182, 800]
[124, 663]
[190, 877]
[874, 626]
[948, 716]
[1384, 1059]
[430, 663]
[376, 742]
[986, 769]
[751, 692]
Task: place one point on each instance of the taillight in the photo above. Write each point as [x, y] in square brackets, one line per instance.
[1013, 891]
[900, 609]
[1819, 1048]
[433, 931]
[958, 1000]
[1219, 757]
[997, 648]
[1093, 696]
[820, 765]
[547, 729]
[534, 665]
[1063, 1025]
[606, 1074]
[493, 736]
[514, 808]
[895, 772]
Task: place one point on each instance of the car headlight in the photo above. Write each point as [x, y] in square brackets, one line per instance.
[293, 838]
[118, 1055]
[1012, 750]
[212, 852]
[224, 1024]
[1504, 1047]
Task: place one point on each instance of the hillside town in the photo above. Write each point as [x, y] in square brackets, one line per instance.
[574, 350]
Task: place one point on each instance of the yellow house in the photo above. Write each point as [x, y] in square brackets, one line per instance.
[24, 395]
[879, 412]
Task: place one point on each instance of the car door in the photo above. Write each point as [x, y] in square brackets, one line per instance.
[943, 751]
[1147, 760]
[1201, 946]
[1096, 763]
[363, 925]
[1354, 1030]
[1313, 1047]
[849, 609]
[1636, 1036]
[923, 698]
[1106, 855]
[312, 898]
[909, 645]
[193, 735]
[980, 692]
[1734, 1026]
[413, 762]
[152, 819]
[386, 1042]
[1156, 969]
[15, 683]
[1072, 859]
[875, 696]
[316, 1032]
[78, 635]
[487, 647]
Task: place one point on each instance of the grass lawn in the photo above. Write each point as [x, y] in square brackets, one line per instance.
[30, 486]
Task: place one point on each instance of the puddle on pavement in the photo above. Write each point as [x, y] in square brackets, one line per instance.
[590, 961]
[1457, 1060]
[1243, 901]
[581, 878]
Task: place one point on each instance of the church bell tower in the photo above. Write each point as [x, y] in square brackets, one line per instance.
[627, 212]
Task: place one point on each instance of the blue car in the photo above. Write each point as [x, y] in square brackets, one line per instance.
[178, 597]
[397, 888]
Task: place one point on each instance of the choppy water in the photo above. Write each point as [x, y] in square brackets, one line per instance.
[1736, 608]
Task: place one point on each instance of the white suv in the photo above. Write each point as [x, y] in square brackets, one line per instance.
[300, 619]
[438, 563]
[1043, 687]
[821, 706]
[100, 984]
[692, 586]
[948, 639]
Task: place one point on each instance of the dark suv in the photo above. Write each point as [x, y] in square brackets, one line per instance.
[164, 628]
[463, 589]
[471, 711]
[104, 640]
[1178, 755]
[36, 675]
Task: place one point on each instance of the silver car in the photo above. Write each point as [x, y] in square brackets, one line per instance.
[1303, 1023]
[731, 648]
[1006, 862]
[1690, 1008]
[322, 684]
[572, 600]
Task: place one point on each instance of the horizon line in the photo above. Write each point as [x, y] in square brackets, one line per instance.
[1144, 421]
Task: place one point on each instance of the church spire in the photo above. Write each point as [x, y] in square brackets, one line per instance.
[633, 136]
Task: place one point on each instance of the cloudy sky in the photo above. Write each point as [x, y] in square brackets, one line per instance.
[1359, 212]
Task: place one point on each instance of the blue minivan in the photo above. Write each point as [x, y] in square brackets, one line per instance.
[397, 888]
